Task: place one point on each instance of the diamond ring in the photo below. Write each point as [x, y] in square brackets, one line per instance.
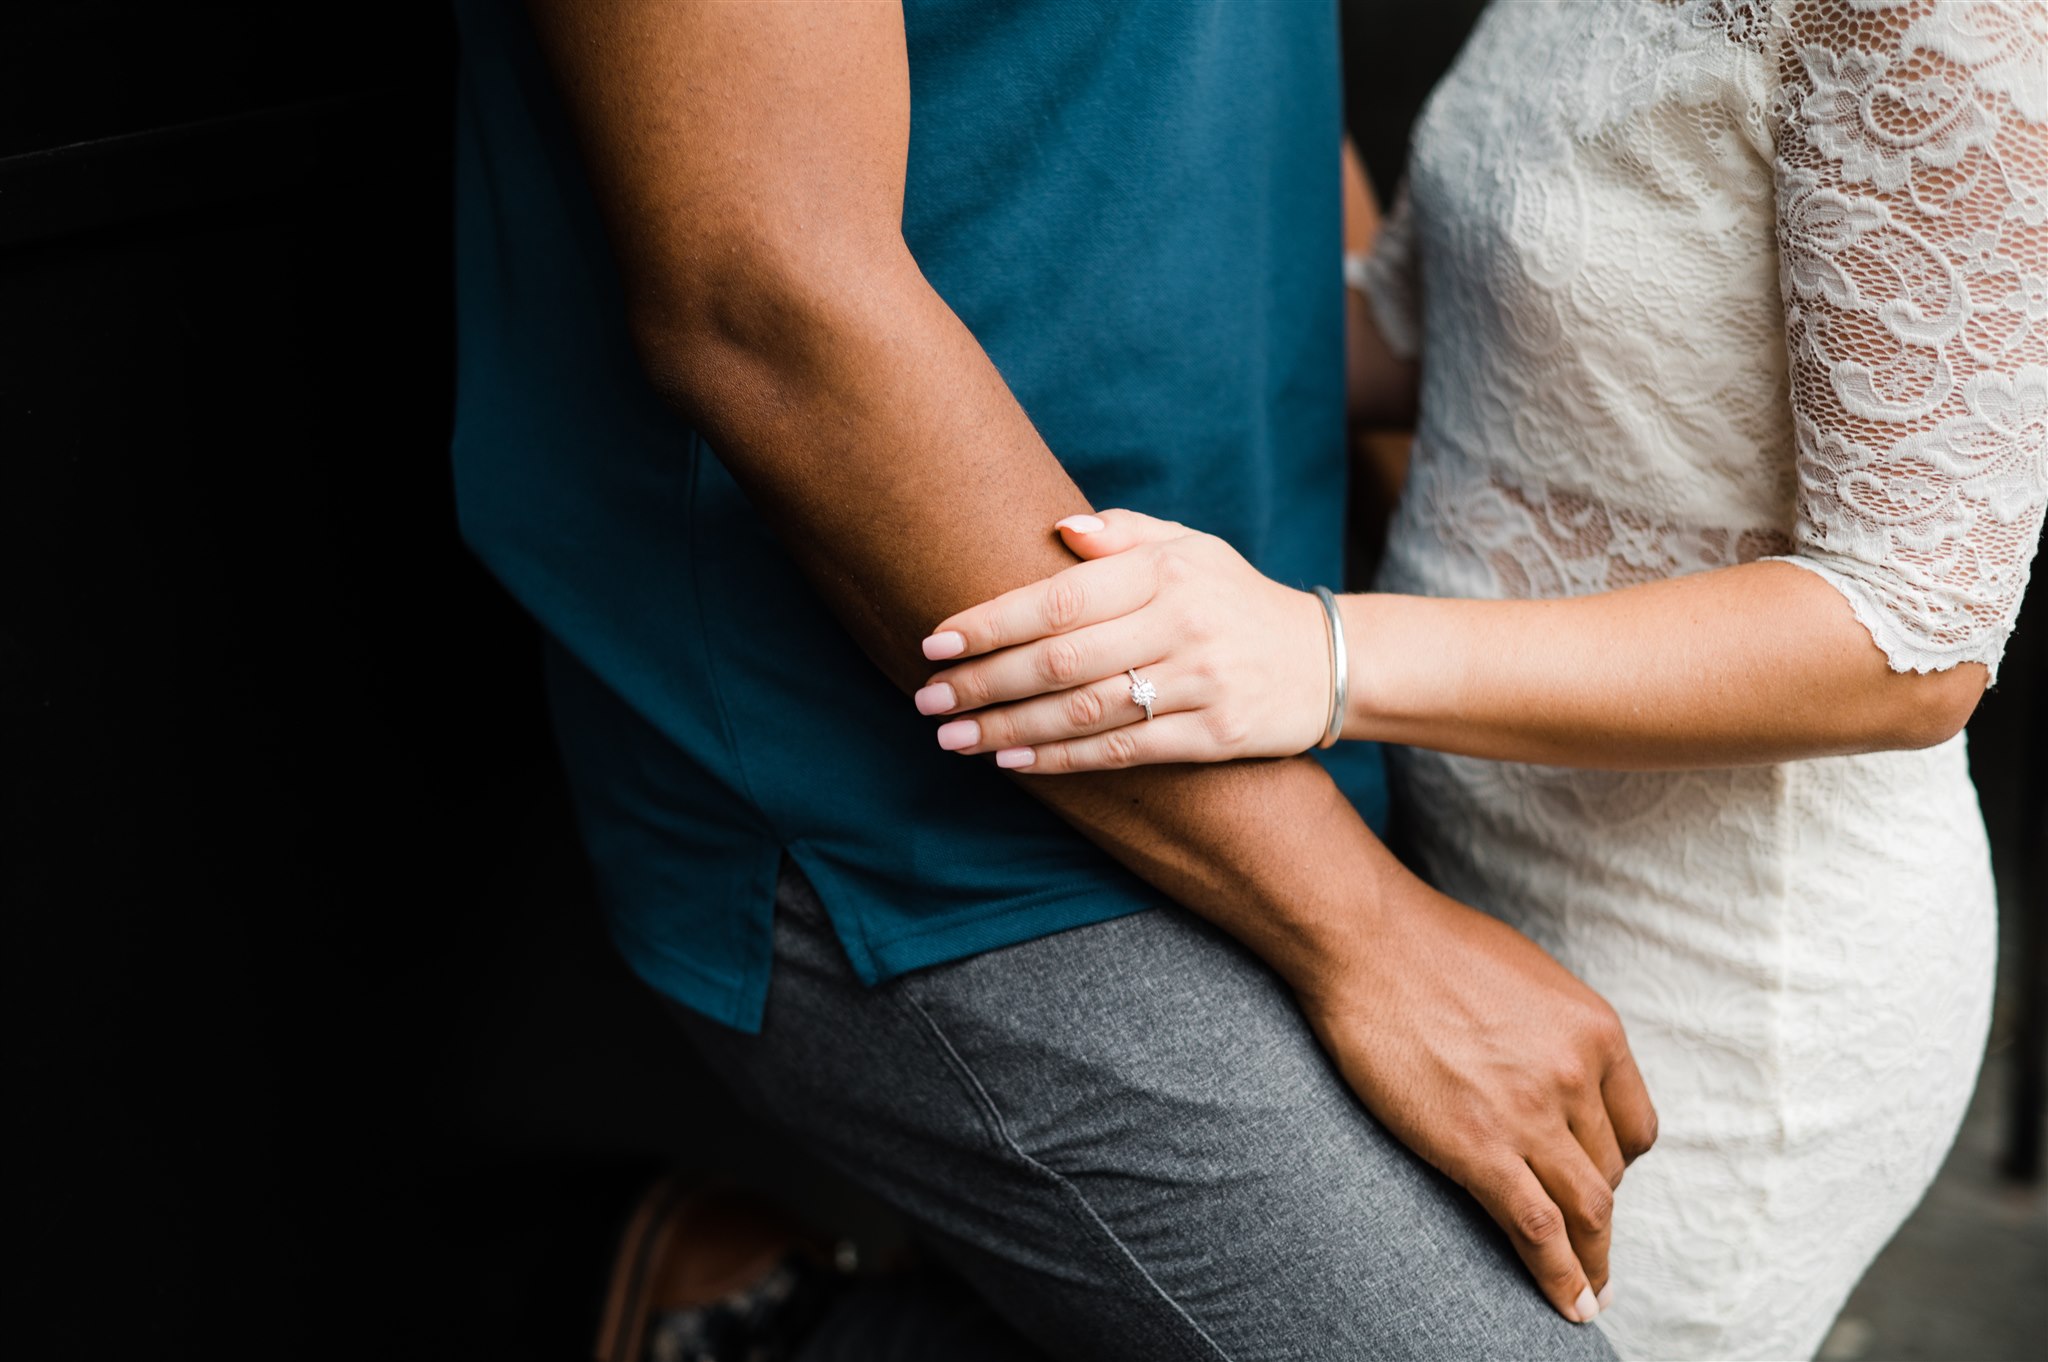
[1143, 693]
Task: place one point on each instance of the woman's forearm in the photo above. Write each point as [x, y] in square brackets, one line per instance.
[1751, 664]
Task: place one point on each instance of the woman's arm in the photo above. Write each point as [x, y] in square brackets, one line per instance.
[1750, 664]
[1383, 383]
[1919, 381]
[1381, 378]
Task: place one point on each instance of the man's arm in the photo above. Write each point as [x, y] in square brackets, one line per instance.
[750, 161]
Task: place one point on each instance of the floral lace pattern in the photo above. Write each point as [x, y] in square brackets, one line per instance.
[1543, 543]
[1912, 178]
[1906, 146]
[1693, 283]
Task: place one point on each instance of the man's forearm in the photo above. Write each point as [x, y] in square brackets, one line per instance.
[873, 433]
[775, 304]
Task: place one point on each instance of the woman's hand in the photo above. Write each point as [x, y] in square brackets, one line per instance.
[1241, 664]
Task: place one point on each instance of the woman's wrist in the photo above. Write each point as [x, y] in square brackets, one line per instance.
[1372, 635]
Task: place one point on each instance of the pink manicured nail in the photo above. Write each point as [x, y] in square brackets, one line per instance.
[1606, 1297]
[936, 698]
[1079, 524]
[958, 734]
[939, 647]
[1013, 757]
[1586, 1305]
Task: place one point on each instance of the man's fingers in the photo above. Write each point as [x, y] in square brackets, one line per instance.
[1515, 1198]
[1595, 1134]
[1087, 593]
[1580, 1190]
[1629, 1108]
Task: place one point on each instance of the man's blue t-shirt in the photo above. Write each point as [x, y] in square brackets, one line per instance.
[1135, 209]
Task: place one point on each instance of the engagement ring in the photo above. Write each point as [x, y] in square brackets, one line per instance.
[1143, 693]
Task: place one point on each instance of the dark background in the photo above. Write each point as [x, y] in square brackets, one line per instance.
[317, 1047]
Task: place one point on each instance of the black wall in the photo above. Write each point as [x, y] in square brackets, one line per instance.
[278, 801]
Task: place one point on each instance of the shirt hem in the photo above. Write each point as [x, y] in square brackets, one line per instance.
[741, 1001]
[952, 941]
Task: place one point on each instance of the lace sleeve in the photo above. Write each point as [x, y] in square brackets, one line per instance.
[1390, 284]
[1912, 184]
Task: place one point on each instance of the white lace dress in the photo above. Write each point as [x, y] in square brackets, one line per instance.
[1695, 284]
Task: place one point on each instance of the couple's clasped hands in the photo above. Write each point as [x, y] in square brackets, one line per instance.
[1465, 1039]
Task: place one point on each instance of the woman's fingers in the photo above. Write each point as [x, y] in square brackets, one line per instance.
[1168, 738]
[1094, 708]
[1090, 653]
[1173, 594]
[1107, 532]
[1515, 1197]
[1085, 594]
[1088, 593]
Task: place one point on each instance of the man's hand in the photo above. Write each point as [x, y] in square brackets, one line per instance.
[1491, 1061]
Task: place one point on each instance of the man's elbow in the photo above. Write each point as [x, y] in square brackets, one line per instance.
[731, 313]
[720, 317]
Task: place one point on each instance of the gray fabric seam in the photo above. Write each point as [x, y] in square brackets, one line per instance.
[993, 1117]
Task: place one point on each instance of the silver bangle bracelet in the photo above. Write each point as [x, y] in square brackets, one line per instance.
[1340, 669]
